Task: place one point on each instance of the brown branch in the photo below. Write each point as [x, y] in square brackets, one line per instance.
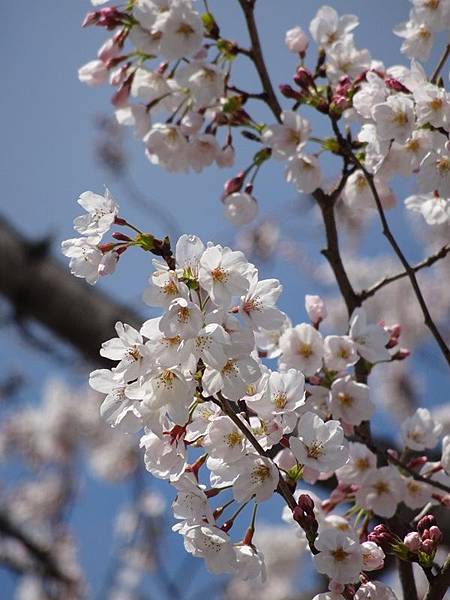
[332, 251]
[427, 262]
[406, 575]
[347, 149]
[248, 8]
[41, 288]
[415, 475]
[440, 64]
[441, 583]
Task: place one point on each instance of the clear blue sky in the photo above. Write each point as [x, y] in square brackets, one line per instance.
[48, 159]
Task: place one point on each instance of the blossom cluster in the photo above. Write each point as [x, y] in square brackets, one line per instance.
[399, 118]
[216, 418]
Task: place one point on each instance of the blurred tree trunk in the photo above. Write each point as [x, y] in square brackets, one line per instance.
[39, 287]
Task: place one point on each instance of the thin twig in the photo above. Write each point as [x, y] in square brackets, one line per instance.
[248, 8]
[418, 476]
[440, 64]
[427, 262]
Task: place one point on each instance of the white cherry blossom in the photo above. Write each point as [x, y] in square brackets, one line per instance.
[302, 349]
[350, 401]
[381, 491]
[319, 445]
[339, 557]
[419, 431]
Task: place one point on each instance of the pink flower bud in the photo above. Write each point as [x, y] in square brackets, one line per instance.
[427, 546]
[402, 354]
[90, 19]
[306, 503]
[234, 185]
[118, 76]
[412, 541]
[316, 309]
[436, 534]
[304, 79]
[120, 98]
[108, 50]
[93, 73]
[296, 40]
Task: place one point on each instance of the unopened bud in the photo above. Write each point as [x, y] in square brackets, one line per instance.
[435, 534]
[120, 236]
[428, 547]
[425, 523]
[304, 79]
[234, 185]
[412, 541]
[120, 221]
[402, 354]
[289, 92]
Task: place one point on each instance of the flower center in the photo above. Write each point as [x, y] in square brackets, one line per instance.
[339, 554]
[345, 399]
[381, 487]
[315, 450]
[362, 464]
[233, 439]
[183, 314]
[219, 275]
[280, 400]
[260, 473]
[436, 104]
[400, 118]
[305, 350]
[185, 29]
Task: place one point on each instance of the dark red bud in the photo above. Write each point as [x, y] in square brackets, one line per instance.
[289, 92]
[425, 523]
[120, 236]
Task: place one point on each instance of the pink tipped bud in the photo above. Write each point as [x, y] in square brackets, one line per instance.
[382, 536]
[120, 221]
[436, 534]
[428, 546]
[91, 18]
[296, 40]
[106, 247]
[402, 354]
[315, 308]
[443, 500]
[120, 98]
[394, 84]
[234, 185]
[289, 92]
[304, 79]
[412, 541]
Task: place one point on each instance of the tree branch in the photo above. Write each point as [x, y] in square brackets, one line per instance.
[427, 262]
[441, 583]
[348, 152]
[248, 8]
[41, 288]
[332, 252]
[440, 64]
[406, 575]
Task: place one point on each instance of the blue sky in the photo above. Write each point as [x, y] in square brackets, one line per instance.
[48, 137]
